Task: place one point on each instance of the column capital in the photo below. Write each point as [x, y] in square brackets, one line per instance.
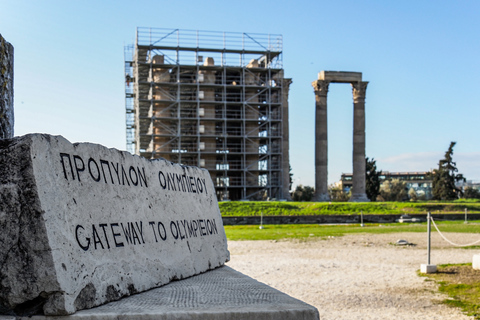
[320, 87]
[359, 90]
[286, 82]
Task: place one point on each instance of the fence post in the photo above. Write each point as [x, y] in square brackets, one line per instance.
[429, 231]
[466, 211]
[428, 268]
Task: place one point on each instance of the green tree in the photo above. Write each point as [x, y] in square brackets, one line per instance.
[290, 177]
[302, 193]
[445, 177]
[412, 194]
[471, 193]
[337, 194]
[372, 179]
[394, 190]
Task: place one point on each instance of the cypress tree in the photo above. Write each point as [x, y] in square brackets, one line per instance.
[445, 177]
[372, 179]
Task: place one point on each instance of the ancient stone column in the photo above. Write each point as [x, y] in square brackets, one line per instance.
[286, 145]
[358, 192]
[6, 89]
[321, 142]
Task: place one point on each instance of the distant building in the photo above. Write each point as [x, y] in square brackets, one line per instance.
[417, 181]
[216, 100]
[474, 184]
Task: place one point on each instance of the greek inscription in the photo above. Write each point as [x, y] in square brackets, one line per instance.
[102, 168]
[181, 183]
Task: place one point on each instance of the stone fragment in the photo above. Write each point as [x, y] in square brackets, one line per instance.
[83, 225]
[6, 89]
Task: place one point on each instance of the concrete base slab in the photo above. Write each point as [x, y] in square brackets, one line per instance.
[476, 261]
[428, 268]
[222, 293]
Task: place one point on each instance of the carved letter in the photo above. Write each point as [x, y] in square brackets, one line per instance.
[136, 176]
[102, 162]
[62, 155]
[115, 235]
[144, 177]
[90, 161]
[77, 168]
[160, 176]
[85, 248]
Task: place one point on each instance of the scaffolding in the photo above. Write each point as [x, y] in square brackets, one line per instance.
[209, 99]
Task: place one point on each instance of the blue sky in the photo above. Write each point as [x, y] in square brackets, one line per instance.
[420, 57]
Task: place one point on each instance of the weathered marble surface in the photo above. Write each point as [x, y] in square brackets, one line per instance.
[83, 224]
[220, 294]
[6, 89]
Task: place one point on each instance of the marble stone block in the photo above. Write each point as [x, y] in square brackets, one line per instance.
[83, 225]
[6, 89]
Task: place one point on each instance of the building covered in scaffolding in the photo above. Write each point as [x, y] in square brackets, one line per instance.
[216, 100]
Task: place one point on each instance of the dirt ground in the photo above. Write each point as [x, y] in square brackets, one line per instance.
[362, 276]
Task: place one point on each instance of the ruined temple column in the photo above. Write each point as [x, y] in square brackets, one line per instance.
[6, 89]
[286, 145]
[358, 192]
[321, 142]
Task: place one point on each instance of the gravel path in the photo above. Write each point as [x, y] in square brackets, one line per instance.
[356, 276]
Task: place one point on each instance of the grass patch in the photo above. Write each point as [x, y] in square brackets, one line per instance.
[307, 231]
[462, 284]
[282, 208]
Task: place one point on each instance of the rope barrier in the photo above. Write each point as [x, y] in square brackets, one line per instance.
[452, 243]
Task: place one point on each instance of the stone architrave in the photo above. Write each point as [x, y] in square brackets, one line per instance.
[359, 164]
[83, 224]
[6, 89]
[320, 88]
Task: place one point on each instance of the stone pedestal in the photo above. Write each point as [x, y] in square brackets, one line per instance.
[6, 89]
[476, 261]
[428, 268]
[221, 294]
